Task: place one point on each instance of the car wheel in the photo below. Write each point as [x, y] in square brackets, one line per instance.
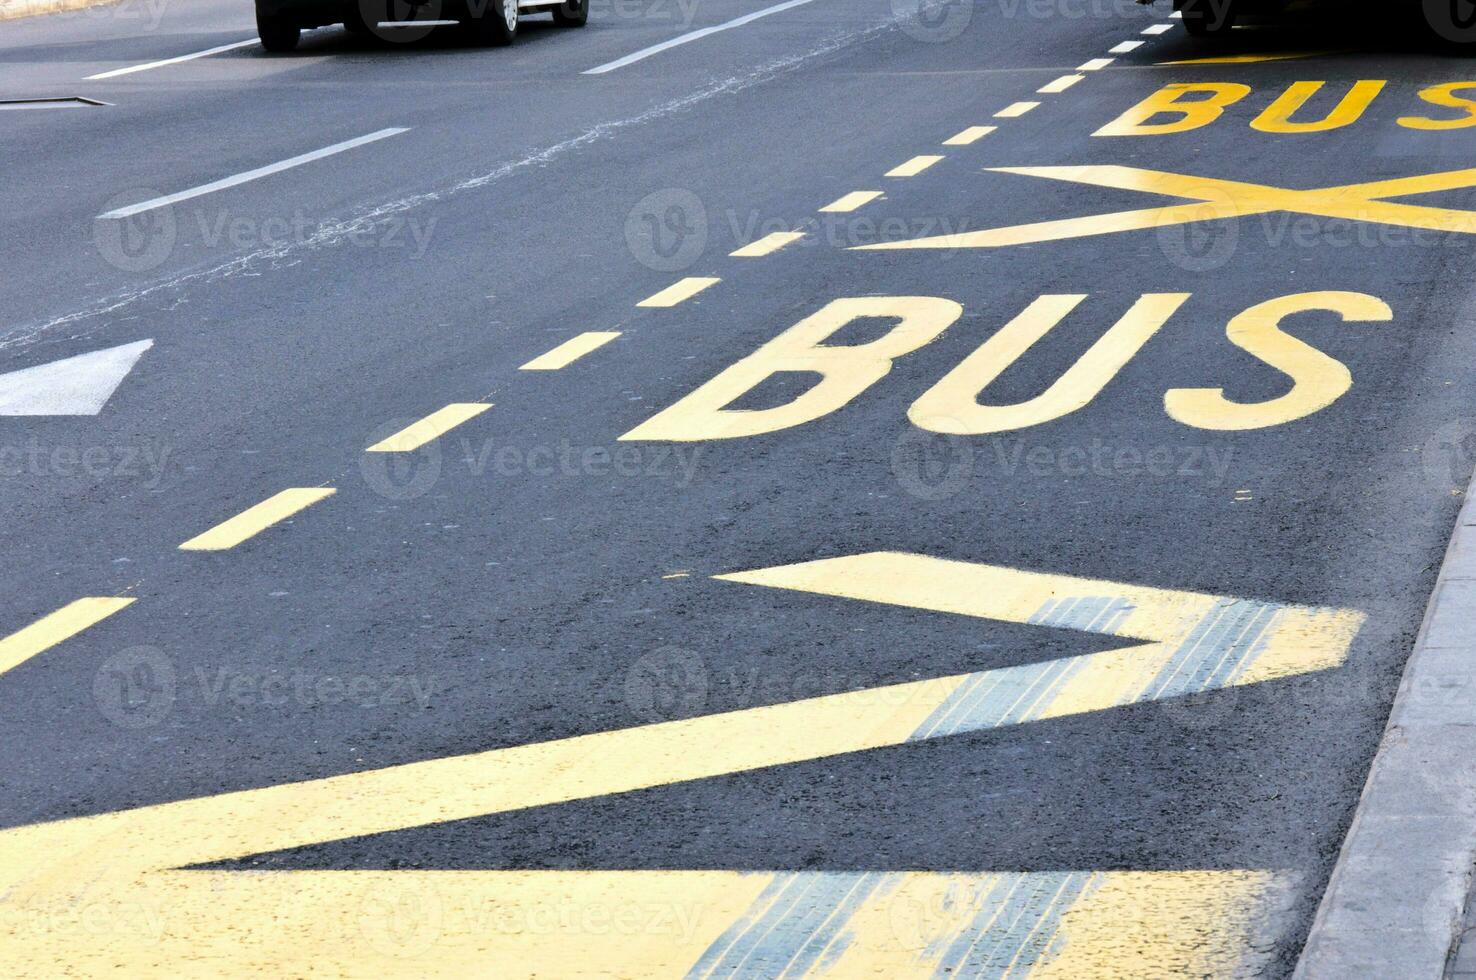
[574, 13]
[278, 34]
[498, 23]
[1208, 18]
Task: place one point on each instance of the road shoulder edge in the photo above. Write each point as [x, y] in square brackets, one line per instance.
[16, 9]
[1397, 895]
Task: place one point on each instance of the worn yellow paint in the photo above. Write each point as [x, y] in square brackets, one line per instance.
[1016, 109]
[1059, 85]
[1165, 924]
[633, 924]
[914, 166]
[254, 520]
[57, 627]
[1444, 95]
[571, 350]
[1195, 104]
[850, 202]
[241, 824]
[1318, 380]
[969, 136]
[1277, 116]
[994, 592]
[1245, 59]
[1308, 639]
[1217, 200]
[430, 428]
[952, 405]
[680, 291]
[845, 371]
[105, 893]
[767, 245]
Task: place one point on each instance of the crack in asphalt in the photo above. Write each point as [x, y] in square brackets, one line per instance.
[275, 256]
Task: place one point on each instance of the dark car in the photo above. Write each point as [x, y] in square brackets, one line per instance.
[280, 22]
[1449, 21]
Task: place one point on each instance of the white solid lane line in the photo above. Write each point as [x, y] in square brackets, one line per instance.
[170, 61]
[250, 175]
[697, 35]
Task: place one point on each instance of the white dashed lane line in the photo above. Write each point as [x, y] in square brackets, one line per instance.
[250, 175]
[171, 61]
[696, 35]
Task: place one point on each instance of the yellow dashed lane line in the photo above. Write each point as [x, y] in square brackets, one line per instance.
[767, 245]
[969, 136]
[914, 166]
[571, 350]
[1059, 85]
[679, 292]
[52, 629]
[430, 428]
[850, 202]
[253, 521]
[1016, 110]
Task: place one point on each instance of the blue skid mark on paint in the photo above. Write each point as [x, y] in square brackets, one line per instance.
[798, 921]
[995, 926]
[1013, 695]
[1096, 614]
[1221, 645]
[1228, 638]
[1017, 926]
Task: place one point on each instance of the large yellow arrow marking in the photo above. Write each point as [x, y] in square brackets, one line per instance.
[83, 894]
[1216, 199]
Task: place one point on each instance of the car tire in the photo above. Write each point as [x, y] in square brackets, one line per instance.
[574, 13]
[498, 24]
[1208, 18]
[278, 34]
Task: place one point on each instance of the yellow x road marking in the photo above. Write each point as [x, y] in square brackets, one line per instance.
[131, 892]
[1217, 199]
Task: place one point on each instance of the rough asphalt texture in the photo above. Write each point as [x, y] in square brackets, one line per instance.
[512, 597]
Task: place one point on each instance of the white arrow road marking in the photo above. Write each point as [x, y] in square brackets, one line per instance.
[78, 385]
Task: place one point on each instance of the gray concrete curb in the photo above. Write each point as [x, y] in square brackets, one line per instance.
[12, 9]
[1394, 906]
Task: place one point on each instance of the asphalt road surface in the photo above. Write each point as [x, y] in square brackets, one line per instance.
[857, 491]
